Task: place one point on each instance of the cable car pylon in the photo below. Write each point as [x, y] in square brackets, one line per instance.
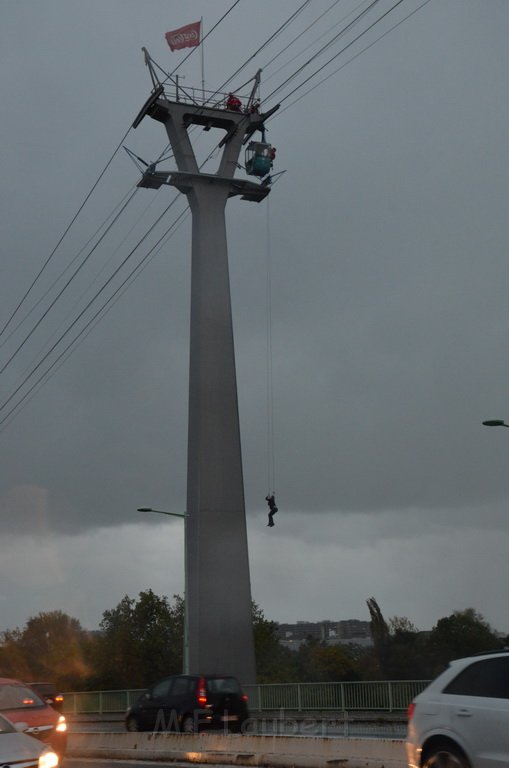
[218, 622]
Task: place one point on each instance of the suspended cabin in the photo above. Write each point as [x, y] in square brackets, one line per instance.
[259, 157]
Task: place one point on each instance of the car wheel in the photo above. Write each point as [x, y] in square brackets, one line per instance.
[188, 724]
[132, 724]
[445, 755]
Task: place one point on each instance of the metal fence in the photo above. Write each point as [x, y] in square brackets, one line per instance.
[377, 696]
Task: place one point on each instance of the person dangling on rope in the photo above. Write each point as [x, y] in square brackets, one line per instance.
[272, 509]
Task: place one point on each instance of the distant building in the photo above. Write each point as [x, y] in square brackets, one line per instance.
[352, 631]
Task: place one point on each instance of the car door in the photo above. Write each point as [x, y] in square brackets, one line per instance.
[478, 703]
[153, 704]
[182, 699]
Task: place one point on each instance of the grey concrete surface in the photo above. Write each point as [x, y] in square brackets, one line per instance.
[237, 749]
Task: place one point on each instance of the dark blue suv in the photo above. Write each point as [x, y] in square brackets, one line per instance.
[190, 703]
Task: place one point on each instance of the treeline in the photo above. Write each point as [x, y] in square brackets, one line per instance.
[140, 640]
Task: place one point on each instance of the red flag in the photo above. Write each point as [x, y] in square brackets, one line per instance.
[185, 37]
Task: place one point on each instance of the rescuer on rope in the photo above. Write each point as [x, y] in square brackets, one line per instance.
[272, 509]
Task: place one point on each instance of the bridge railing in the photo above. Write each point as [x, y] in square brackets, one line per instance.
[376, 696]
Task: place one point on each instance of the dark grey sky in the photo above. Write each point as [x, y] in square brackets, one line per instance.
[387, 238]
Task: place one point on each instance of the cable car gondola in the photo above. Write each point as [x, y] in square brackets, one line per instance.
[259, 157]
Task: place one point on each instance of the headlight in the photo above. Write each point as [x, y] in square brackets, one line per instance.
[48, 760]
[61, 725]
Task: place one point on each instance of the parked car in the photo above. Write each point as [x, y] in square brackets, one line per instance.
[461, 720]
[18, 749]
[21, 704]
[190, 703]
[49, 693]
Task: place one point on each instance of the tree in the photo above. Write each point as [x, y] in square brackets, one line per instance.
[379, 633]
[399, 625]
[141, 641]
[463, 633]
[52, 646]
[406, 656]
[13, 662]
[274, 663]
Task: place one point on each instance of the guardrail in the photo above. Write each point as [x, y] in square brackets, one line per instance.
[376, 696]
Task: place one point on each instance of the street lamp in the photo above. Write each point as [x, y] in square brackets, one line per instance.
[495, 423]
[186, 617]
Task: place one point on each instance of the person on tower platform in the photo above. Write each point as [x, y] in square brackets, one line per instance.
[272, 509]
[233, 103]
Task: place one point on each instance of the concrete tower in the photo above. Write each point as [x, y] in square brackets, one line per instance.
[218, 592]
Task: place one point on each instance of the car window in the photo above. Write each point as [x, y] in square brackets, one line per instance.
[489, 678]
[182, 686]
[223, 685]
[15, 696]
[160, 690]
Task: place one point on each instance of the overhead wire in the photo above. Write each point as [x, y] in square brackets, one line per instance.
[36, 367]
[39, 274]
[85, 309]
[326, 46]
[66, 285]
[339, 53]
[103, 269]
[272, 37]
[62, 237]
[363, 50]
[69, 265]
[132, 274]
[310, 45]
[91, 323]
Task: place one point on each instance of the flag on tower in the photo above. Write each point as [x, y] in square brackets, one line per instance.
[184, 37]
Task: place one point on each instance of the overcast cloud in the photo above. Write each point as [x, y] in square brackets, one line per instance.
[387, 238]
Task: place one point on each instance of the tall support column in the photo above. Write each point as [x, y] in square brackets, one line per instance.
[218, 591]
[218, 583]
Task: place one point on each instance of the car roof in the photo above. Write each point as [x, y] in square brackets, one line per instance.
[480, 655]
[5, 680]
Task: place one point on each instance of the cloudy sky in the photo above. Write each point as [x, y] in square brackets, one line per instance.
[385, 246]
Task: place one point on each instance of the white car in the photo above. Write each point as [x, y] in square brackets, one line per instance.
[461, 720]
[22, 751]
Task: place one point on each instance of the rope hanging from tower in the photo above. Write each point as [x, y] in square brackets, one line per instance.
[271, 461]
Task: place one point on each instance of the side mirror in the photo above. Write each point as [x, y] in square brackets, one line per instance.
[20, 726]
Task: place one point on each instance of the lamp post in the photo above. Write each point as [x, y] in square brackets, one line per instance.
[182, 515]
[495, 423]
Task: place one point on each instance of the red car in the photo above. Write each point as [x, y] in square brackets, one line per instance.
[20, 704]
[49, 693]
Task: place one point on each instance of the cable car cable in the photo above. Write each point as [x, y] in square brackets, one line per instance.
[94, 186]
[310, 45]
[59, 294]
[278, 31]
[327, 45]
[355, 56]
[92, 300]
[90, 325]
[285, 81]
[318, 18]
[41, 299]
[80, 315]
[103, 268]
